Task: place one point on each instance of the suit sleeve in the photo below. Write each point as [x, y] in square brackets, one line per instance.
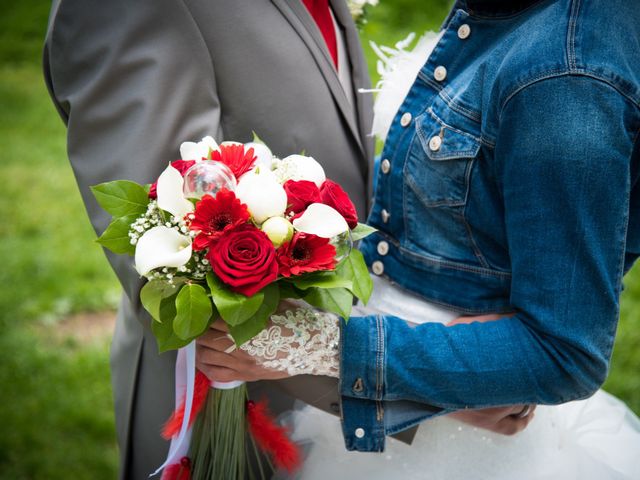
[132, 80]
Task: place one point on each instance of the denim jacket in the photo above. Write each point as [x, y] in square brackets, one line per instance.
[509, 184]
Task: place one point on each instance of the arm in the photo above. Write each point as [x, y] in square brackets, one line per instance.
[566, 200]
[132, 80]
[564, 152]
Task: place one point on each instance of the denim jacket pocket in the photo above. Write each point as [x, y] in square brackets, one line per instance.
[437, 174]
[439, 162]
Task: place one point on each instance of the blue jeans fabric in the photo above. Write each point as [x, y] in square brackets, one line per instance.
[513, 188]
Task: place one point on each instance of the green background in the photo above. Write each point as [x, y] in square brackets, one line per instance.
[55, 400]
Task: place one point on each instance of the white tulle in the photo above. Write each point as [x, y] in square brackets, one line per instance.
[398, 68]
[593, 439]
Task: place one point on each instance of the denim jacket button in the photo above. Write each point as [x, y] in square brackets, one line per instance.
[385, 215]
[383, 248]
[405, 120]
[385, 166]
[464, 31]
[435, 143]
[377, 267]
[359, 432]
[358, 386]
[440, 73]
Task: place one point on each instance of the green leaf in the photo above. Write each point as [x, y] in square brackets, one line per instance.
[234, 308]
[355, 269]
[194, 311]
[121, 198]
[288, 290]
[155, 291]
[361, 231]
[335, 300]
[322, 280]
[258, 322]
[256, 138]
[163, 331]
[116, 236]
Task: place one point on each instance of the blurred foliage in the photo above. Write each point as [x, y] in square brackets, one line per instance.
[57, 419]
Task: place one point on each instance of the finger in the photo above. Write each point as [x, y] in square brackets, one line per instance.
[520, 411]
[479, 318]
[220, 325]
[235, 360]
[211, 338]
[511, 426]
[221, 374]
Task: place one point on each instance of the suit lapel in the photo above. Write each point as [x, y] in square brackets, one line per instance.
[296, 13]
[359, 73]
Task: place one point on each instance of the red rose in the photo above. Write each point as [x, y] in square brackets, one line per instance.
[306, 253]
[213, 217]
[300, 195]
[234, 157]
[245, 259]
[181, 165]
[333, 195]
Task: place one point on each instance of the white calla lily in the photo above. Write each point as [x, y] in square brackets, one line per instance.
[265, 157]
[263, 195]
[170, 193]
[162, 247]
[299, 167]
[198, 151]
[321, 220]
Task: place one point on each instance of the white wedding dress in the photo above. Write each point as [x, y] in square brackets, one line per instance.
[593, 439]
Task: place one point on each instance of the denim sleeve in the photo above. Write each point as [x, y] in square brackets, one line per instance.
[563, 159]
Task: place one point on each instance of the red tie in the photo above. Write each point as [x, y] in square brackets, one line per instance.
[319, 10]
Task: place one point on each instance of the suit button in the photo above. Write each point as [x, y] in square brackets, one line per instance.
[377, 267]
[435, 143]
[359, 432]
[335, 407]
[383, 248]
[405, 120]
[385, 216]
[440, 73]
[464, 31]
[385, 166]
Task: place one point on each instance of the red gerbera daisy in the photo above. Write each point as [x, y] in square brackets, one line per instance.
[306, 253]
[215, 216]
[234, 156]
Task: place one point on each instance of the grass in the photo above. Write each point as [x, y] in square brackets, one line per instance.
[57, 411]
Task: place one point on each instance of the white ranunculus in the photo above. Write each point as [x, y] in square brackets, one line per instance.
[162, 247]
[265, 157]
[321, 220]
[263, 195]
[263, 172]
[299, 167]
[170, 193]
[198, 151]
[278, 229]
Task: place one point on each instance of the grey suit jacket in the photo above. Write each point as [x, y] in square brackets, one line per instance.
[133, 79]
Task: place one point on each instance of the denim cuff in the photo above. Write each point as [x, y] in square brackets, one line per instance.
[362, 382]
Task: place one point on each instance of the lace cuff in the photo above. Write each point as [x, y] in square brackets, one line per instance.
[300, 341]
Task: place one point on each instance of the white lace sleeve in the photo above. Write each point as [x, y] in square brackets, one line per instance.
[300, 341]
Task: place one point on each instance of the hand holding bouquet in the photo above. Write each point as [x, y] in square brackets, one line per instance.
[228, 232]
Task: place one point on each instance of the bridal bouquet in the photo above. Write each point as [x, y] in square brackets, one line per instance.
[228, 232]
